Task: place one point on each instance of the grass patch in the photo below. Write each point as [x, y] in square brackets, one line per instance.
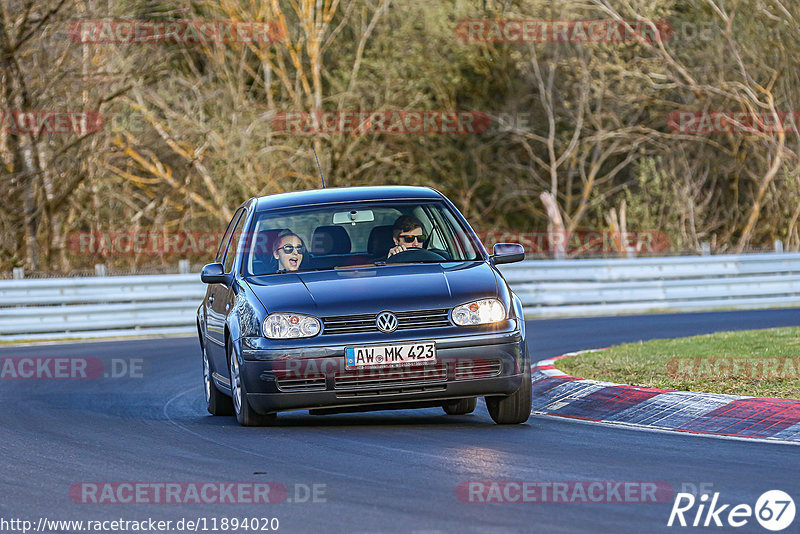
[758, 363]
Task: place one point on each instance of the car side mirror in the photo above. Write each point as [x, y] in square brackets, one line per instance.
[213, 273]
[507, 253]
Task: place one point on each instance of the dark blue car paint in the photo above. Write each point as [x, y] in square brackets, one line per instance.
[237, 311]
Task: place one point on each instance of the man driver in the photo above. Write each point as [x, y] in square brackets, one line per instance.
[407, 234]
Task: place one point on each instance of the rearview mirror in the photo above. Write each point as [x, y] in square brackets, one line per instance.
[353, 216]
[213, 273]
[507, 253]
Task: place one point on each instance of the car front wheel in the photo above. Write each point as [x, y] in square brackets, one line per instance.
[244, 412]
[460, 406]
[515, 408]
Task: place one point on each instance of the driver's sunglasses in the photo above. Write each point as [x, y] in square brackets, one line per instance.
[410, 238]
[288, 249]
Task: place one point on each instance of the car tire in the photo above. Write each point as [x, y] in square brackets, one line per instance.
[217, 402]
[460, 406]
[242, 409]
[515, 408]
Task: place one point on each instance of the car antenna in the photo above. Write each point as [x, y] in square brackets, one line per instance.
[318, 165]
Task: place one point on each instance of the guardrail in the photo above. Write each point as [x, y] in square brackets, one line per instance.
[605, 287]
[99, 307]
[166, 304]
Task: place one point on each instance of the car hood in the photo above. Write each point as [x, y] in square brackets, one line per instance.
[374, 289]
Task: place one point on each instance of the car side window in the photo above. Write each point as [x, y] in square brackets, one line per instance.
[227, 236]
[233, 247]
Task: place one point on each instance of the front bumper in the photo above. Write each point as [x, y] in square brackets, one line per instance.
[315, 377]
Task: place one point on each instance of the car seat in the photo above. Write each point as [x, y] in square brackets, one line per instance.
[380, 241]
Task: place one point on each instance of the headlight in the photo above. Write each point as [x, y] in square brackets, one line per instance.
[482, 311]
[290, 326]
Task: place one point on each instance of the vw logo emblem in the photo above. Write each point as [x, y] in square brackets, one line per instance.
[386, 322]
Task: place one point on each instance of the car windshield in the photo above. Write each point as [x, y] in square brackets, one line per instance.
[362, 233]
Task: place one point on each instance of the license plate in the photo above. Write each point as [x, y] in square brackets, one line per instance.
[389, 355]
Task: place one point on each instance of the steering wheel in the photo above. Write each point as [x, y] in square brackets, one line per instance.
[414, 254]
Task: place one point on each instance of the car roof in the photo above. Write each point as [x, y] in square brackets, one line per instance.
[334, 195]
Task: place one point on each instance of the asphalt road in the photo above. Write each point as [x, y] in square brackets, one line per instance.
[388, 472]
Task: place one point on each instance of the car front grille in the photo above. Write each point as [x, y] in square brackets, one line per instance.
[365, 322]
[391, 377]
[388, 391]
[306, 383]
[393, 380]
[474, 369]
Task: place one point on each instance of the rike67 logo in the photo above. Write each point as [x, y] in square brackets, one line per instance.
[774, 510]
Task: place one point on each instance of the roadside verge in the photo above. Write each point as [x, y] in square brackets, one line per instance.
[558, 394]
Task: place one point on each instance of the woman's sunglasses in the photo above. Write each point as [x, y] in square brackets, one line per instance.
[288, 249]
[410, 238]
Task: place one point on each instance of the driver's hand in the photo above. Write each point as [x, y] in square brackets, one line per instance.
[396, 250]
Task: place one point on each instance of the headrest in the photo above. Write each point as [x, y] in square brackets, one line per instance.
[380, 241]
[330, 240]
[266, 242]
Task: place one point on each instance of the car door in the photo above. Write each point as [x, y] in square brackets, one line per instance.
[215, 305]
[223, 297]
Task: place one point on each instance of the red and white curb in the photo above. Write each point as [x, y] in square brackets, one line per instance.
[558, 394]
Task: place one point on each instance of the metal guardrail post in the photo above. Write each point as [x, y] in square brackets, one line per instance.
[19, 273]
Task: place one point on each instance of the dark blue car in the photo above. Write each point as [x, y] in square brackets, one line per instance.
[357, 299]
